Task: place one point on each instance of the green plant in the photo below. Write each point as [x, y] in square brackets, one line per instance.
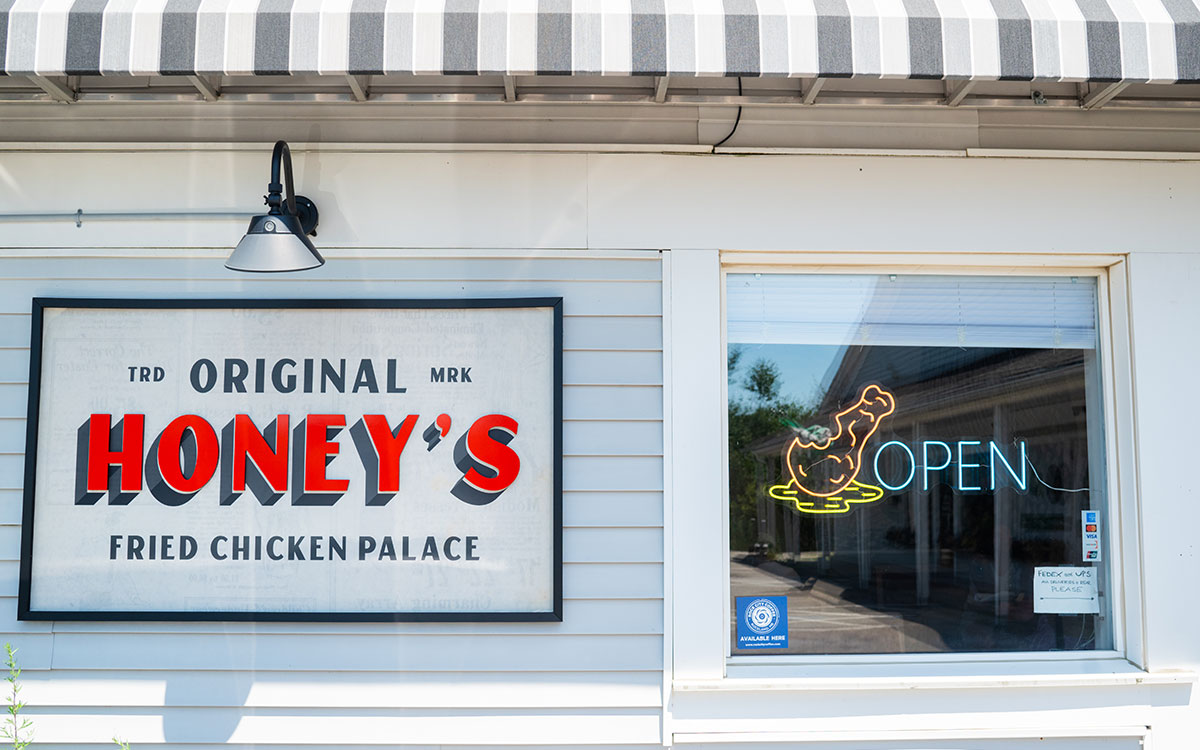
[121, 743]
[15, 729]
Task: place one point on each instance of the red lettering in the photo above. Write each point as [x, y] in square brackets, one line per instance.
[317, 451]
[250, 445]
[208, 453]
[243, 452]
[128, 457]
[388, 447]
[492, 453]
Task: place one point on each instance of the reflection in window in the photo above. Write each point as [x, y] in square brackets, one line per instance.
[907, 454]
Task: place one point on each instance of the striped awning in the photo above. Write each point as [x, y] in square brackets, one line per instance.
[1062, 40]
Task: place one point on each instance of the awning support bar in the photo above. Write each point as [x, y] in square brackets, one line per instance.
[809, 95]
[207, 87]
[359, 87]
[1102, 95]
[955, 94]
[57, 91]
[660, 88]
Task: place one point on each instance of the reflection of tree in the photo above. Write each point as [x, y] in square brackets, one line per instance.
[763, 381]
[735, 356]
[763, 415]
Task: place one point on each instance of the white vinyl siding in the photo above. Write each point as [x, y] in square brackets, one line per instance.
[594, 678]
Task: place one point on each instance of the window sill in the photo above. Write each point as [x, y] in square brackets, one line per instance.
[918, 738]
[941, 676]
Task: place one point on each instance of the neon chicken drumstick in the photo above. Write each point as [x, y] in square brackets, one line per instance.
[824, 468]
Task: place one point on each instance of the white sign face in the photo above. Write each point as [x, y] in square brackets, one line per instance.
[1065, 591]
[294, 461]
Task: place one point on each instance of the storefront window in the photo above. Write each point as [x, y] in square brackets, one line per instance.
[916, 464]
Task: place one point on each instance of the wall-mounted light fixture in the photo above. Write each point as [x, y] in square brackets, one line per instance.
[278, 241]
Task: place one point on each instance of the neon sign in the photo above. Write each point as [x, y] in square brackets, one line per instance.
[825, 466]
[962, 466]
[824, 470]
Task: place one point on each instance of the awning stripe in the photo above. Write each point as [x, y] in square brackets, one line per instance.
[367, 37]
[1084, 40]
[1132, 32]
[985, 39]
[893, 36]
[398, 35]
[773, 34]
[710, 38]
[1043, 38]
[956, 40]
[554, 36]
[210, 37]
[334, 33]
[146, 40]
[1016, 40]
[304, 37]
[239, 35]
[5, 7]
[742, 51]
[1104, 40]
[272, 37]
[1187, 38]
[22, 37]
[460, 37]
[834, 38]
[585, 37]
[924, 39]
[84, 27]
[681, 36]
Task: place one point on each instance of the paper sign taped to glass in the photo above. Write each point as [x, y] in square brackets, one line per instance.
[1065, 591]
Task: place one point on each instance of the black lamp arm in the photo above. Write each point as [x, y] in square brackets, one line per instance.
[281, 154]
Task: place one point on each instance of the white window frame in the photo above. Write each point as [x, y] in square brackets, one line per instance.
[699, 650]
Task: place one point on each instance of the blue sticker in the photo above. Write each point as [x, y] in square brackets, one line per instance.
[762, 622]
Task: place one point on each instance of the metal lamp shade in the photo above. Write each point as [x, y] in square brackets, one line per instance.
[274, 244]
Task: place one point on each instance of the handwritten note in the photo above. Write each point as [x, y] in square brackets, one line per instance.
[1065, 591]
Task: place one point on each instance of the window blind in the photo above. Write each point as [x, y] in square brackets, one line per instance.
[964, 311]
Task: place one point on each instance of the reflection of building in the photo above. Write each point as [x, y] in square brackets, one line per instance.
[946, 548]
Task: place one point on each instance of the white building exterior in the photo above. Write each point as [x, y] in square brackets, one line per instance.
[635, 243]
[609, 193]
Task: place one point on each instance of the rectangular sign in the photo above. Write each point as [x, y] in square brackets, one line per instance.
[1065, 591]
[294, 460]
[762, 622]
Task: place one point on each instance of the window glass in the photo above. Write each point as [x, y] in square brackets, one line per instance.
[916, 464]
